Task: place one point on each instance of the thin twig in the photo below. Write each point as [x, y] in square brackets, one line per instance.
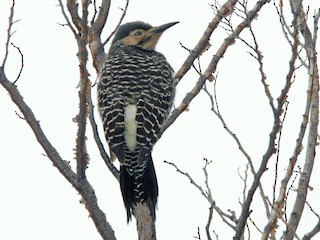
[209, 223]
[22, 63]
[225, 10]
[124, 12]
[195, 52]
[64, 14]
[101, 148]
[282, 99]
[207, 195]
[316, 228]
[9, 33]
[278, 154]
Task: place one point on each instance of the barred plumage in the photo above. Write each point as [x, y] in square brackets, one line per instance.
[135, 95]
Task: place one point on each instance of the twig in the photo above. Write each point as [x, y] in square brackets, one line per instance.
[67, 19]
[95, 11]
[9, 33]
[316, 228]
[245, 180]
[216, 235]
[290, 189]
[215, 110]
[198, 236]
[195, 52]
[255, 225]
[225, 10]
[209, 223]
[278, 154]
[279, 203]
[124, 12]
[19, 115]
[102, 151]
[22, 63]
[207, 195]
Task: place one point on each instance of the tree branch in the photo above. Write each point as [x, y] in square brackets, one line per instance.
[83, 187]
[313, 91]
[226, 9]
[316, 228]
[207, 195]
[279, 203]
[119, 23]
[102, 151]
[214, 61]
[67, 19]
[9, 33]
[72, 6]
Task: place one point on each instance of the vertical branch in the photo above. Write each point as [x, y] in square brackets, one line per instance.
[146, 226]
[102, 151]
[9, 34]
[313, 92]
[279, 203]
[94, 37]
[82, 26]
[83, 187]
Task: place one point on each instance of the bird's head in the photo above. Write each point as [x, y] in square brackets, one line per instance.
[140, 34]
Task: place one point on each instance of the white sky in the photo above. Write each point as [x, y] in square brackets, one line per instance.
[38, 203]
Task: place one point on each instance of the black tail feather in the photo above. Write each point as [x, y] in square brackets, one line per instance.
[137, 187]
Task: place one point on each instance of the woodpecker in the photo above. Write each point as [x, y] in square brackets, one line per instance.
[135, 95]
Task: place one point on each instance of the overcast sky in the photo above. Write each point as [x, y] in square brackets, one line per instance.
[38, 203]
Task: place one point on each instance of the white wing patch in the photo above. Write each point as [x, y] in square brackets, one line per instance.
[130, 125]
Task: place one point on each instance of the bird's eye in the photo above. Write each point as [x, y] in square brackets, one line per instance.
[138, 33]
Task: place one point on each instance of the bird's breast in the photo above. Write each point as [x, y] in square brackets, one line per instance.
[130, 125]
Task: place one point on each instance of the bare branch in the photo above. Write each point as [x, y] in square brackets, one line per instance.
[209, 223]
[214, 61]
[102, 151]
[83, 187]
[313, 128]
[313, 232]
[9, 33]
[278, 153]
[103, 14]
[124, 12]
[67, 18]
[215, 110]
[146, 227]
[72, 6]
[207, 195]
[194, 53]
[316, 228]
[279, 203]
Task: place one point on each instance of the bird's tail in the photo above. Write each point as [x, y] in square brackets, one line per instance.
[139, 184]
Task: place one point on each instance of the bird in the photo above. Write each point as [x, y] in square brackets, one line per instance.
[136, 92]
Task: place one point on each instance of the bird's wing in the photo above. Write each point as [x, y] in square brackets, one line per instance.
[152, 111]
[111, 106]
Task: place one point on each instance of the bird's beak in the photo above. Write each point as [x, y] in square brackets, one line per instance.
[152, 35]
[163, 27]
